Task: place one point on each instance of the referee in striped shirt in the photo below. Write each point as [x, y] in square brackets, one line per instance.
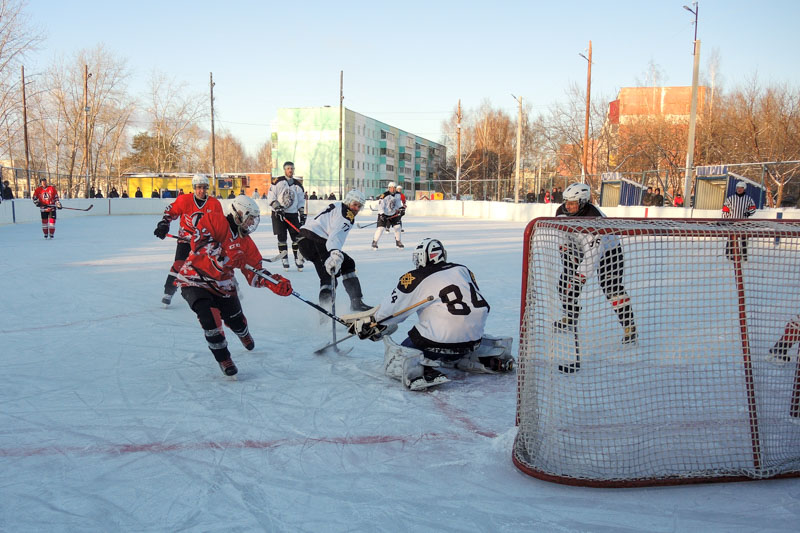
[738, 205]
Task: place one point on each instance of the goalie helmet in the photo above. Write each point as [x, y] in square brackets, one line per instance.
[578, 192]
[199, 179]
[246, 214]
[354, 195]
[429, 252]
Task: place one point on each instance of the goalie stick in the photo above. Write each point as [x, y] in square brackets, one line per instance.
[320, 351]
[297, 295]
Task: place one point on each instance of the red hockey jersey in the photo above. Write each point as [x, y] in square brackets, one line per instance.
[45, 196]
[217, 249]
[189, 209]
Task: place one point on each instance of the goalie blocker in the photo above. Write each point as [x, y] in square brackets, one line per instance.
[449, 333]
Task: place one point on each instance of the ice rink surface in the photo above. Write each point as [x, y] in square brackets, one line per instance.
[115, 416]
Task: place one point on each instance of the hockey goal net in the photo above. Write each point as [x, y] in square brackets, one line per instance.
[661, 367]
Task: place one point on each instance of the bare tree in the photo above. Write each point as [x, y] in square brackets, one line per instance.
[263, 162]
[171, 115]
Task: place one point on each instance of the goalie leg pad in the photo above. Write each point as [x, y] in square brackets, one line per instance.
[493, 356]
[410, 366]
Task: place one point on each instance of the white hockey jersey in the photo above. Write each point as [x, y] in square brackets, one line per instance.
[453, 322]
[290, 196]
[390, 204]
[332, 224]
[591, 248]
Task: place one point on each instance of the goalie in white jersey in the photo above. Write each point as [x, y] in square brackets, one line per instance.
[452, 316]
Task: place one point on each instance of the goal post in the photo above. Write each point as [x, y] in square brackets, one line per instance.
[659, 351]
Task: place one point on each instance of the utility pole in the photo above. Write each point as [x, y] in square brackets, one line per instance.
[25, 131]
[687, 180]
[86, 158]
[588, 104]
[458, 150]
[213, 137]
[519, 148]
[341, 101]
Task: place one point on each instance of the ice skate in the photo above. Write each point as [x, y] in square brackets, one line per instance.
[374, 245]
[779, 355]
[166, 299]
[357, 305]
[630, 335]
[426, 378]
[399, 244]
[564, 323]
[285, 263]
[228, 367]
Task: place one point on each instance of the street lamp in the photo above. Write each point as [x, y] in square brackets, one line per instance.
[588, 102]
[693, 112]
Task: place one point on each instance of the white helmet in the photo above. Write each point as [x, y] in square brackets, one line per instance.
[399, 188]
[741, 184]
[429, 252]
[199, 179]
[246, 214]
[578, 192]
[354, 195]
[391, 184]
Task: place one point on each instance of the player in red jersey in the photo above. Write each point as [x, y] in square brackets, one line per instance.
[190, 208]
[46, 199]
[219, 245]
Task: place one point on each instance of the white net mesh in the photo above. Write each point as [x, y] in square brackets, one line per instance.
[676, 358]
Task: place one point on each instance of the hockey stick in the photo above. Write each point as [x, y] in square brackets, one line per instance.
[297, 295]
[371, 223]
[402, 311]
[182, 239]
[283, 218]
[333, 309]
[76, 209]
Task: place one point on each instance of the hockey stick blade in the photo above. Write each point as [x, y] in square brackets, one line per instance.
[76, 209]
[323, 349]
[276, 257]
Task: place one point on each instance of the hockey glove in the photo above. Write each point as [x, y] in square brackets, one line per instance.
[58, 205]
[37, 203]
[277, 209]
[280, 286]
[367, 328]
[402, 211]
[334, 262]
[162, 229]
[301, 214]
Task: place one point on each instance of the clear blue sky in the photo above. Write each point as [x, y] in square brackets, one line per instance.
[407, 63]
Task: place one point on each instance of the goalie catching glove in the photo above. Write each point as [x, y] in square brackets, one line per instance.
[162, 229]
[277, 284]
[334, 262]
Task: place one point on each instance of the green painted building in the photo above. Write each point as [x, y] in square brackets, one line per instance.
[373, 153]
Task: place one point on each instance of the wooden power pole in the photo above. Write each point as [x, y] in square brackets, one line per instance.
[341, 100]
[458, 150]
[213, 137]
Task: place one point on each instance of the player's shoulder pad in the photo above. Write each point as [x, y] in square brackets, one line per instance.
[382, 196]
[278, 180]
[409, 281]
[297, 182]
[346, 213]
